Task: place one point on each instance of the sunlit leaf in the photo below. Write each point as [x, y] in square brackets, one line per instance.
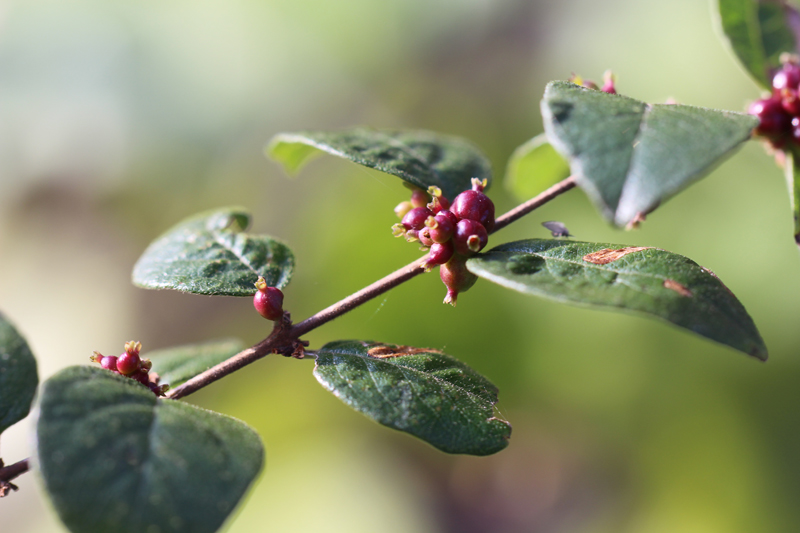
[421, 391]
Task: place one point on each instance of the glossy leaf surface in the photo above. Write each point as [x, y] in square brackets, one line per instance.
[113, 457]
[18, 375]
[630, 156]
[534, 167]
[181, 363]
[210, 254]
[642, 280]
[421, 391]
[421, 158]
[759, 31]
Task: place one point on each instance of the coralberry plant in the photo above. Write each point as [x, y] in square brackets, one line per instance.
[117, 450]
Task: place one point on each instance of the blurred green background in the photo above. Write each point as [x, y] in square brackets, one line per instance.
[119, 118]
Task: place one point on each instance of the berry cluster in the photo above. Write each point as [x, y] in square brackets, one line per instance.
[268, 301]
[451, 232]
[779, 113]
[129, 364]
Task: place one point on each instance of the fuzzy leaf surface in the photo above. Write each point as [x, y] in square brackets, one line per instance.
[641, 280]
[534, 167]
[630, 156]
[210, 254]
[421, 158]
[759, 31]
[424, 392]
[179, 364]
[113, 457]
[18, 375]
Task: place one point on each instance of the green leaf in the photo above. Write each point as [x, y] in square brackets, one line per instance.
[421, 158]
[534, 167]
[759, 32]
[641, 280]
[420, 391]
[113, 457]
[181, 363]
[792, 169]
[209, 254]
[630, 156]
[18, 376]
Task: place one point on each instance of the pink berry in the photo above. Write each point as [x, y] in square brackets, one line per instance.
[128, 363]
[415, 219]
[269, 303]
[787, 78]
[109, 362]
[441, 227]
[456, 278]
[774, 122]
[419, 198]
[474, 205]
[470, 237]
[440, 254]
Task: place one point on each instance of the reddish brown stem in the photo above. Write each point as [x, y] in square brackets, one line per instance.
[285, 334]
[9, 473]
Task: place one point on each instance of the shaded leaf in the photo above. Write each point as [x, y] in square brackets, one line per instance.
[642, 280]
[630, 156]
[209, 253]
[113, 457]
[181, 363]
[18, 376]
[421, 391]
[421, 158]
[534, 167]
[759, 31]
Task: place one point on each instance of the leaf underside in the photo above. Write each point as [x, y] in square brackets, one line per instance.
[630, 156]
[424, 392]
[18, 376]
[179, 364]
[420, 158]
[646, 281]
[113, 457]
[210, 254]
[759, 31]
[534, 167]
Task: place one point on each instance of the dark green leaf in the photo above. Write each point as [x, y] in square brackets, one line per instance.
[759, 31]
[181, 363]
[420, 391]
[642, 280]
[421, 158]
[113, 457]
[18, 377]
[630, 156]
[209, 253]
[534, 167]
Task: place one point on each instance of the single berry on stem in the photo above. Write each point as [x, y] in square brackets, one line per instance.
[456, 278]
[268, 301]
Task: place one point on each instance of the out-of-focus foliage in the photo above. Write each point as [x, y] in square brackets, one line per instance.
[118, 119]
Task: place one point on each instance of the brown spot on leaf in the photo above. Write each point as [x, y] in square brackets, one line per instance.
[607, 255]
[386, 351]
[677, 287]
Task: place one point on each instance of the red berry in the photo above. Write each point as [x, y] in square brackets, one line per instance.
[790, 101]
[774, 121]
[456, 277]
[419, 198]
[109, 362]
[470, 237]
[128, 363]
[141, 376]
[415, 219]
[441, 227]
[440, 254]
[787, 78]
[474, 205]
[268, 301]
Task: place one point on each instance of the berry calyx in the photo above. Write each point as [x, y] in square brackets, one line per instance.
[415, 219]
[425, 236]
[128, 363]
[268, 301]
[456, 278]
[133, 347]
[470, 237]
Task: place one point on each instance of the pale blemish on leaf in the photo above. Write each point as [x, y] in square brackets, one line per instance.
[386, 351]
[677, 287]
[607, 255]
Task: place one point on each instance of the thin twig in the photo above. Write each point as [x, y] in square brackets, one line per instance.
[9, 473]
[285, 334]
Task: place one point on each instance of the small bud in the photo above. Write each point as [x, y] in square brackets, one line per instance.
[403, 208]
[146, 364]
[96, 357]
[608, 83]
